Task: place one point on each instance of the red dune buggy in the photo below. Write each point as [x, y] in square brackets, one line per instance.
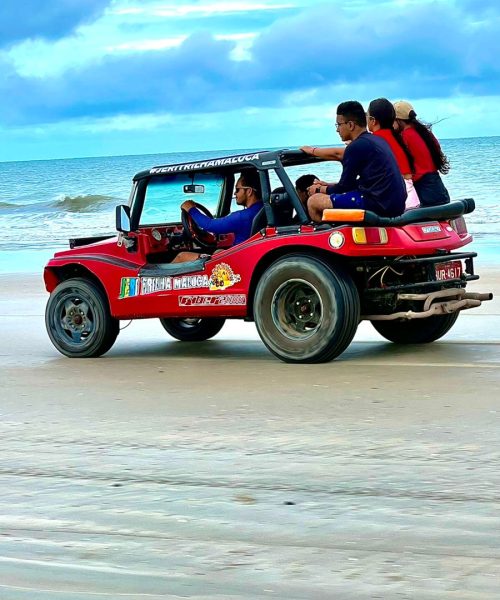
[306, 286]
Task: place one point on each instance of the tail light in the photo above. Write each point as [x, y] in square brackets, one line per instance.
[369, 235]
[459, 225]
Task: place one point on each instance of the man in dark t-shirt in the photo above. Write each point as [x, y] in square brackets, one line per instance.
[370, 178]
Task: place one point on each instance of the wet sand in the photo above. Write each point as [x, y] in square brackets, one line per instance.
[214, 471]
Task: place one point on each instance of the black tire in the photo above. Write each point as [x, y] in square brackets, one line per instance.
[416, 331]
[306, 311]
[78, 320]
[192, 330]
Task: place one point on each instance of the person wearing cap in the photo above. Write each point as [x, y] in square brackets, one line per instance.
[380, 117]
[370, 178]
[428, 158]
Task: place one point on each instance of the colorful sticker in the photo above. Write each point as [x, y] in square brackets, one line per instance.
[222, 277]
[129, 287]
[225, 300]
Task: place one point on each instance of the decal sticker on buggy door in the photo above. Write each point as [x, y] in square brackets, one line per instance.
[225, 300]
[222, 277]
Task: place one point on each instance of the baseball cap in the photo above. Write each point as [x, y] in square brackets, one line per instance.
[403, 109]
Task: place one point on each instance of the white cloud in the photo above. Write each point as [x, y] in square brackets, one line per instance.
[144, 45]
[202, 9]
[243, 40]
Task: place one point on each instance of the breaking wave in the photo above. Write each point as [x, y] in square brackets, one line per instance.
[8, 205]
[85, 203]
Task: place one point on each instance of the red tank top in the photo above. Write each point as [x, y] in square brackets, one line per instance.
[422, 159]
[399, 153]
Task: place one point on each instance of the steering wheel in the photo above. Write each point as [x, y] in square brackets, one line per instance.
[206, 239]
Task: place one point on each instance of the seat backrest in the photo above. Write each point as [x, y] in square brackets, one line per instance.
[282, 208]
[259, 221]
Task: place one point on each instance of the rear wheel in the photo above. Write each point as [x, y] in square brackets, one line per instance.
[192, 330]
[78, 319]
[416, 331]
[306, 311]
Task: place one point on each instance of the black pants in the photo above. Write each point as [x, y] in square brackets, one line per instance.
[431, 191]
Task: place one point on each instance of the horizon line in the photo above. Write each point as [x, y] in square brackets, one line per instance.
[271, 148]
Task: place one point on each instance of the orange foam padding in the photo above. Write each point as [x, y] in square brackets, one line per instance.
[351, 215]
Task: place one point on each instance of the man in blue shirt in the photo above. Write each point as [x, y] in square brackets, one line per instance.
[370, 178]
[248, 194]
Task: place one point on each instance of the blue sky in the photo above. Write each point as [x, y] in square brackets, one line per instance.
[109, 77]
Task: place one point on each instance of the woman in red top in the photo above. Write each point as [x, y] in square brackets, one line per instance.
[428, 158]
[380, 120]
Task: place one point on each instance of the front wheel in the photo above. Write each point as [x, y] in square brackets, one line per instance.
[78, 319]
[306, 311]
[192, 330]
[416, 331]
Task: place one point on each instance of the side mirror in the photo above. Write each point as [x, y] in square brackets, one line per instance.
[123, 218]
[194, 189]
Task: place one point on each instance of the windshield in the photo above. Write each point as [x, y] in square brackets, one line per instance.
[165, 194]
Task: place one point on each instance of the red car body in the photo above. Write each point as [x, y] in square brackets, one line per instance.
[376, 263]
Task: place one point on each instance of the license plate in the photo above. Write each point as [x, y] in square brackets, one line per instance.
[448, 270]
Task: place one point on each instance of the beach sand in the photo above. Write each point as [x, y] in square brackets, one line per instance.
[213, 470]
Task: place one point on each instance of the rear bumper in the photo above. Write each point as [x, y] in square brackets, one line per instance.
[441, 302]
[425, 261]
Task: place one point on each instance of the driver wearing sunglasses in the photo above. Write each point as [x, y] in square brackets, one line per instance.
[247, 193]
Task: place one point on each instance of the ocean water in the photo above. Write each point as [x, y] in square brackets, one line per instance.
[45, 202]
